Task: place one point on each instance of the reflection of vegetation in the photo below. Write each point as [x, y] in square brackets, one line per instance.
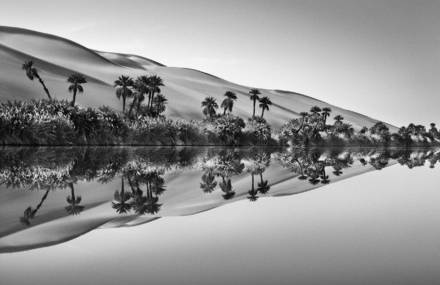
[142, 171]
[229, 163]
[208, 183]
[311, 164]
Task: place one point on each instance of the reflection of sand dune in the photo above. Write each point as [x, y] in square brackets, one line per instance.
[56, 58]
[182, 197]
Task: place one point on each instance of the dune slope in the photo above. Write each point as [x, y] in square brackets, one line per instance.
[185, 88]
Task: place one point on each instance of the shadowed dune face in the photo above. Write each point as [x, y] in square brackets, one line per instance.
[56, 58]
[51, 195]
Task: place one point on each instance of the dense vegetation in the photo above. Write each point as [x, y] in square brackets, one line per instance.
[314, 128]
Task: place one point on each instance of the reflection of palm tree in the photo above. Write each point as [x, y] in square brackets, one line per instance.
[30, 213]
[253, 194]
[226, 187]
[263, 185]
[324, 177]
[74, 208]
[121, 206]
[208, 182]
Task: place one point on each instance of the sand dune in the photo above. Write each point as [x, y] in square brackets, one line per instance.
[185, 88]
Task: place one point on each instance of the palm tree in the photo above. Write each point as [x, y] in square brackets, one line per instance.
[30, 213]
[142, 86]
[74, 208]
[159, 103]
[264, 104]
[228, 102]
[254, 97]
[326, 113]
[121, 206]
[76, 80]
[210, 106]
[338, 119]
[32, 72]
[155, 82]
[123, 89]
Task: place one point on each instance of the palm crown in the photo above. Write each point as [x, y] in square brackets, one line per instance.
[209, 106]
[264, 105]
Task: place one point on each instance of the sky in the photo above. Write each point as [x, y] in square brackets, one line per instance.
[378, 57]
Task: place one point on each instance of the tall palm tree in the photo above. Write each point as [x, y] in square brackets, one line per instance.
[155, 82]
[121, 197]
[142, 87]
[32, 72]
[73, 208]
[76, 80]
[210, 106]
[123, 89]
[158, 105]
[326, 113]
[228, 102]
[254, 97]
[264, 105]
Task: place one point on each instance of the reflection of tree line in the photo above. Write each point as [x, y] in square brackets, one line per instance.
[312, 164]
[141, 171]
[229, 163]
[61, 168]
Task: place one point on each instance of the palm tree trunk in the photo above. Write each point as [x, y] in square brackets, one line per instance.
[253, 113]
[131, 107]
[123, 104]
[74, 97]
[152, 98]
[224, 111]
[44, 86]
[262, 113]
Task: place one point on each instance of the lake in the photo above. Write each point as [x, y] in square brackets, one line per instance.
[147, 215]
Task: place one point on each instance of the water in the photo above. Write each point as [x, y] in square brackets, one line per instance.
[216, 216]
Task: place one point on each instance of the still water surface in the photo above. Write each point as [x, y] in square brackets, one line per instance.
[219, 216]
